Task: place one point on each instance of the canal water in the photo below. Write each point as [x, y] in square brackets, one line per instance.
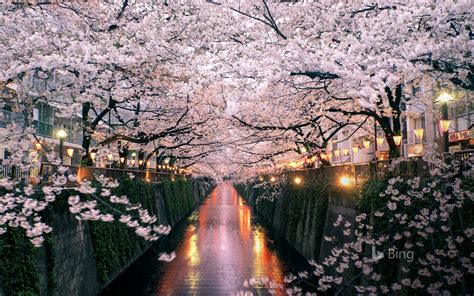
[219, 248]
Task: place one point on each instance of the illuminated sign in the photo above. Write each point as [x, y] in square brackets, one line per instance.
[460, 136]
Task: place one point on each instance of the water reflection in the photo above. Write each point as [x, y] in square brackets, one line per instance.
[215, 254]
[221, 251]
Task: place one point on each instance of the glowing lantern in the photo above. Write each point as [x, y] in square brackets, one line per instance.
[444, 125]
[336, 153]
[110, 156]
[379, 141]
[397, 139]
[38, 146]
[70, 152]
[122, 159]
[297, 180]
[272, 179]
[140, 162]
[345, 152]
[355, 149]
[419, 134]
[148, 164]
[366, 144]
[132, 162]
[93, 154]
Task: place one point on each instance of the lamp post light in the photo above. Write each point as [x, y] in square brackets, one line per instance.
[444, 98]
[61, 134]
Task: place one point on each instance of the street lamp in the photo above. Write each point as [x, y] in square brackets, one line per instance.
[444, 98]
[297, 180]
[61, 134]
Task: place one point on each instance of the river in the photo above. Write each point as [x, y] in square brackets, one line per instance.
[218, 249]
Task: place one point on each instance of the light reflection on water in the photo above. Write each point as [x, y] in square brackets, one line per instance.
[215, 254]
[221, 252]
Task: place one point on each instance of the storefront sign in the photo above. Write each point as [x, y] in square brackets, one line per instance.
[460, 136]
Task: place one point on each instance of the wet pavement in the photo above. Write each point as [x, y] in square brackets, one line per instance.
[216, 252]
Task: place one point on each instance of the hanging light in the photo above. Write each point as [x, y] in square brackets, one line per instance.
[324, 156]
[92, 154]
[140, 162]
[397, 139]
[110, 156]
[379, 141]
[444, 98]
[419, 134]
[303, 149]
[159, 166]
[148, 164]
[70, 152]
[297, 180]
[134, 154]
[366, 144]
[122, 159]
[38, 146]
[444, 125]
[345, 152]
[132, 161]
[272, 179]
[355, 149]
[336, 153]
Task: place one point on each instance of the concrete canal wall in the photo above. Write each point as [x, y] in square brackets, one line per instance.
[81, 258]
[304, 213]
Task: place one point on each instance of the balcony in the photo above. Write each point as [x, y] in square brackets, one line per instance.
[8, 117]
[48, 130]
[42, 129]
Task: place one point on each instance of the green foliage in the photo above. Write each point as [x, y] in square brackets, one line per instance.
[19, 261]
[370, 195]
[116, 244]
[19, 267]
[179, 200]
[303, 208]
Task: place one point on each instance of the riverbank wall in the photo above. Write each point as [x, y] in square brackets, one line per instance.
[303, 212]
[80, 257]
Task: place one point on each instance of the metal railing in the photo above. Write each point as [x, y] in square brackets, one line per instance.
[8, 117]
[46, 170]
[48, 130]
[360, 173]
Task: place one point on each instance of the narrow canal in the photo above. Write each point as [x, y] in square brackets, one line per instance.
[216, 252]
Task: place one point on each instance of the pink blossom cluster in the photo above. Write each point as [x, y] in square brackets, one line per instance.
[424, 217]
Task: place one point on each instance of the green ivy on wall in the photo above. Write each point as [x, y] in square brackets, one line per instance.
[302, 208]
[116, 244]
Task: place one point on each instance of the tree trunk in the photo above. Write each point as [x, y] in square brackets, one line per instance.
[384, 122]
[86, 136]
